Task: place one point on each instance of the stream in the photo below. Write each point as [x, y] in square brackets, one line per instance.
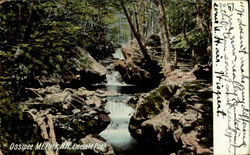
[117, 133]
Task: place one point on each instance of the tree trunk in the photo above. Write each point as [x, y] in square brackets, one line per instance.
[164, 26]
[146, 19]
[137, 20]
[199, 15]
[137, 36]
[175, 57]
[193, 48]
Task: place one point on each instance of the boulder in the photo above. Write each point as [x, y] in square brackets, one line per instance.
[75, 113]
[89, 69]
[176, 116]
[131, 73]
[132, 51]
[135, 69]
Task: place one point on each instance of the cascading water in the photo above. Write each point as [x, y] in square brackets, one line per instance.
[114, 78]
[117, 133]
[118, 54]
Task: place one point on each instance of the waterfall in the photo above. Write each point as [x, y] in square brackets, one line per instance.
[117, 133]
[114, 78]
[118, 54]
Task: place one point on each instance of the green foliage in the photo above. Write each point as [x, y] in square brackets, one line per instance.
[194, 16]
[15, 127]
[197, 37]
[37, 38]
[38, 35]
[178, 11]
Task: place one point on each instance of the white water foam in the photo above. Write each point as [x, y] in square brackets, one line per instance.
[117, 133]
[118, 54]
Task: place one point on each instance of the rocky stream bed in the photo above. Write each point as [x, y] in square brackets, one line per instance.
[122, 115]
[171, 119]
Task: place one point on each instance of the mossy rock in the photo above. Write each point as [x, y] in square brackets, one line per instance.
[153, 103]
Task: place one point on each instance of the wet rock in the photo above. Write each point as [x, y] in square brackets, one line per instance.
[176, 114]
[98, 145]
[132, 73]
[135, 69]
[107, 93]
[76, 113]
[133, 101]
[84, 93]
[94, 101]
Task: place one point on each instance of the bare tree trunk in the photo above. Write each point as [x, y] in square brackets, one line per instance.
[193, 57]
[40, 120]
[136, 34]
[193, 48]
[137, 20]
[175, 57]
[146, 19]
[164, 26]
[199, 16]
[152, 21]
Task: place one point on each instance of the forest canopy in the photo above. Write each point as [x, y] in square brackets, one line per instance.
[38, 38]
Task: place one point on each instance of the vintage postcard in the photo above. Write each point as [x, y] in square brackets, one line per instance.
[124, 77]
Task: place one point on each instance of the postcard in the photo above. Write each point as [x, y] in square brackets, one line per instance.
[124, 77]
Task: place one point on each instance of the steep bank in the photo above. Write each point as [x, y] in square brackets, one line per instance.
[173, 118]
[69, 115]
[83, 71]
[135, 69]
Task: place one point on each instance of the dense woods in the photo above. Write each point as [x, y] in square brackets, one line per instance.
[66, 42]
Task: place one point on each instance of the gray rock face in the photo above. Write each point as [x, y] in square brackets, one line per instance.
[176, 116]
[89, 69]
[135, 70]
[75, 113]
